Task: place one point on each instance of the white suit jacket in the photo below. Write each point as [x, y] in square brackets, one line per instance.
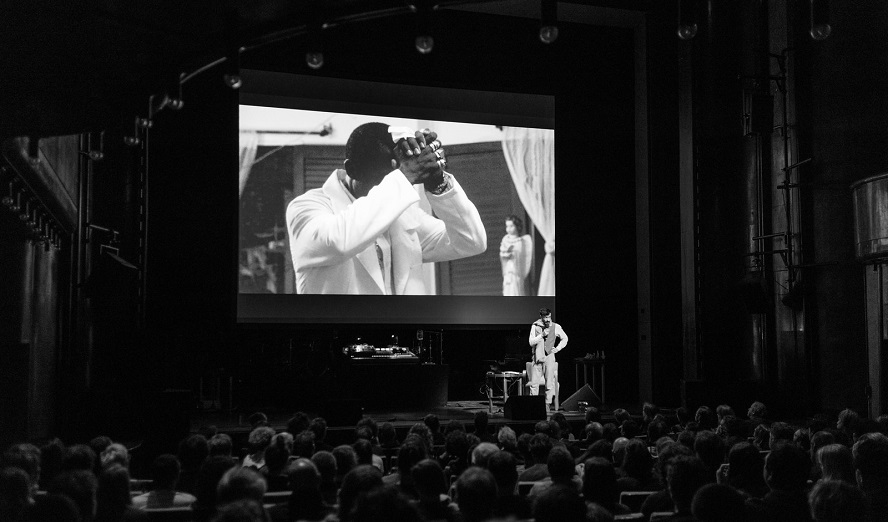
[333, 236]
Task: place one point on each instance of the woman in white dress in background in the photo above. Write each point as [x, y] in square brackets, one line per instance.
[516, 255]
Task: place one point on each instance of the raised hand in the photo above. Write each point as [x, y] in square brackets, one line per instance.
[424, 166]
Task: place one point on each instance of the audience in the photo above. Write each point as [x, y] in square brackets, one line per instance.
[480, 470]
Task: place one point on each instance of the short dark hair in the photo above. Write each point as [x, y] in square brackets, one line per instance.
[600, 482]
[363, 450]
[561, 464]
[368, 149]
[540, 446]
[428, 478]
[517, 221]
[79, 456]
[220, 444]
[476, 494]
[504, 468]
[559, 503]
[298, 423]
[544, 312]
[318, 426]
[710, 448]
[717, 502]
[788, 467]
[79, 485]
[359, 480]
[241, 483]
[165, 471]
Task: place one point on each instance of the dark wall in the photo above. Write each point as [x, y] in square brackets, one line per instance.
[192, 231]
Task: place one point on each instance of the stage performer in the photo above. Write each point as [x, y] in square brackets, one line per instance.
[547, 338]
[516, 252]
[363, 232]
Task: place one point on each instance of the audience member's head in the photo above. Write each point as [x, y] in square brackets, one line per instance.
[79, 456]
[454, 425]
[361, 479]
[621, 415]
[593, 431]
[429, 480]
[524, 448]
[287, 439]
[387, 435]
[787, 468]
[597, 513]
[371, 425]
[298, 423]
[25, 457]
[208, 477]
[684, 476]
[559, 503]
[220, 444]
[505, 472]
[710, 448]
[306, 502]
[836, 501]
[802, 439]
[870, 454]
[208, 430]
[384, 504]
[757, 411]
[165, 472]
[257, 419]
[629, 429]
[80, 485]
[600, 482]
[113, 494]
[476, 494]
[656, 429]
[540, 446]
[98, 444]
[563, 425]
[15, 493]
[682, 416]
[649, 410]
[637, 461]
[260, 438]
[482, 452]
[761, 437]
[836, 463]
[425, 434]
[745, 471]
[820, 439]
[507, 439]
[303, 444]
[561, 464]
[601, 448]
[277, 456]
[619, 448]
[242, 510]
[192, 452]
[718, 503]
[325, 462]
[434, 424]
[52, 453]
[848, 420]
[780, 432]
[240, 483]
[593, 415]
[115, 453]
[456, 444]
[346, 460]
[687, 438]
[363, 451]
[318, 426]
[411, 452]
[706, 418]
[611, 432]
[724, 410]
[666, 453]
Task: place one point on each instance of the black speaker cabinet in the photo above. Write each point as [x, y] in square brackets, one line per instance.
[586, 393]
[526, 407]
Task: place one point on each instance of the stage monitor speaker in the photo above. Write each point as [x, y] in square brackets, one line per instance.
[526, 407]
[586, 393]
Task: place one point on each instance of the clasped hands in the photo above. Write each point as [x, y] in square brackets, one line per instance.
[421, 158]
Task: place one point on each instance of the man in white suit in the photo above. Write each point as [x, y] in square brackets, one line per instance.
[363, 231]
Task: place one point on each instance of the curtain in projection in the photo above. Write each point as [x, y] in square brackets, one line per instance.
[530, 155]
[249, 142]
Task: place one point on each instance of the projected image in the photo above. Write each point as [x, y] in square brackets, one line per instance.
[333, 203]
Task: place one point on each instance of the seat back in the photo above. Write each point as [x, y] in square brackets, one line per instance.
[634, 499]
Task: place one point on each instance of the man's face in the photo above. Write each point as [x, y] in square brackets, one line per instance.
[547, 320]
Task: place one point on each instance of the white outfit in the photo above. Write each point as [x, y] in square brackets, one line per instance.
[545, 367]
[515, 256]
[339, 243]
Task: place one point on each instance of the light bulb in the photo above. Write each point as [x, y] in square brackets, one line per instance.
[131, 141]
[145, 123]
[548, 33]
[425, 44]
[820, 32]
[96, 155]
[687, 31]
[176, 104]
[314, 59]
[233, 80]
